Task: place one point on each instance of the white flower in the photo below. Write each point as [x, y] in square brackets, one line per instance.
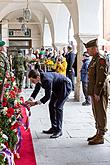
[14, 83]
[5, 136]
[4, 110]
[15, 102]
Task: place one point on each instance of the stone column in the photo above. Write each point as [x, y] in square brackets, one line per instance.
[0, 31]
[79, 64]
[80, 49]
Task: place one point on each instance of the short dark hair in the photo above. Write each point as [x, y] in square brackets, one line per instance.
[69, 47]
[33, 74]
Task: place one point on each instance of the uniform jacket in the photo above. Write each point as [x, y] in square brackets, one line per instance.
[97, 73]
[4, 67]
[70, 57]
[18, 63]
[84, 70]
[51, 82]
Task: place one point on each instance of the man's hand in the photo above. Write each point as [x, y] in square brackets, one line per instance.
[97, 97]
[31, 103]
[29, 100]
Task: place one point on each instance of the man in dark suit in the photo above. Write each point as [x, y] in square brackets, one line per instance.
[70, 58]
[57, 88]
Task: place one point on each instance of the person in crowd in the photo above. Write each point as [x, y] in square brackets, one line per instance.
[42, 53]
[108, 61]
[60, 65]
[84, 78]
[19, 69]
[46, 53]
[64, 51]
[97, 89]
[57, 88]
[28, 67]
[70, 57]
[54, 55]
[75, 66]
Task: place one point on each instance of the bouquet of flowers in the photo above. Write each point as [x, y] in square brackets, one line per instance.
[10, 121]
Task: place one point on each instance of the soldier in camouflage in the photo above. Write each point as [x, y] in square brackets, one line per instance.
[3, 68]
[97, 73]
[19, 68]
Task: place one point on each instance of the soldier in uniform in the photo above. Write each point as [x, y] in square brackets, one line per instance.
[4, 66]
[97, 73]
[18, 66]
[57, 88]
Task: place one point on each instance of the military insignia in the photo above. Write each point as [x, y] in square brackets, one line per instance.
[102, 61]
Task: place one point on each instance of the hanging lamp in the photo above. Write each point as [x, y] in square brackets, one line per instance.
[27, 13]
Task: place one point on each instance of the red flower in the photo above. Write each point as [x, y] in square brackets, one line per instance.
[7, 85]
[4, 104]
[15, 89]
[16, 125]
[6, 143]
[22, 99]
[17, 105]
[10, 112]
[4, 99]
[12, 94]
[12, 79]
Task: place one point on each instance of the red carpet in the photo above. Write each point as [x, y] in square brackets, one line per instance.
[27, 156]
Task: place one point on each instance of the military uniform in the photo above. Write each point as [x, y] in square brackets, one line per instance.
[4, 66]
[97, 73]
[18, 66]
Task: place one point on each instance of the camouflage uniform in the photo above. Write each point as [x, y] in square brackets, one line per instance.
[18, 66]
[28, 67]
[3, 68]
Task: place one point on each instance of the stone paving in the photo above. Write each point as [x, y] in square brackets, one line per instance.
[71, 148]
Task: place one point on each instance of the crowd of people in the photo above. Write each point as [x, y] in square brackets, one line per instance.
[60, 61]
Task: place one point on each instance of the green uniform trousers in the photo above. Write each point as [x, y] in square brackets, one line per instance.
[100, 113]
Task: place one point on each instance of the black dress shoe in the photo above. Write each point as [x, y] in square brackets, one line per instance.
[50, 131]
[86, 103]
[56, 134]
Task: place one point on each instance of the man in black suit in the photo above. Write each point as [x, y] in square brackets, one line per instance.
[70, 58]
[57, 88]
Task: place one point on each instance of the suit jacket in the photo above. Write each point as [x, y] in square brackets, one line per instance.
[51, 82]
[70, 58]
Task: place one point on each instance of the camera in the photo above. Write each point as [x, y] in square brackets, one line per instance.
[59, 59]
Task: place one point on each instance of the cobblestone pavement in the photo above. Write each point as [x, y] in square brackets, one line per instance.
[72, 147]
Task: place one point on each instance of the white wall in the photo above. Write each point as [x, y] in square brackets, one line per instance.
[60, 16]
[35, 34]
[88, 16]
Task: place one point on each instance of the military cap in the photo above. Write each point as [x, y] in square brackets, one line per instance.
[91, 43]
[2, 43]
